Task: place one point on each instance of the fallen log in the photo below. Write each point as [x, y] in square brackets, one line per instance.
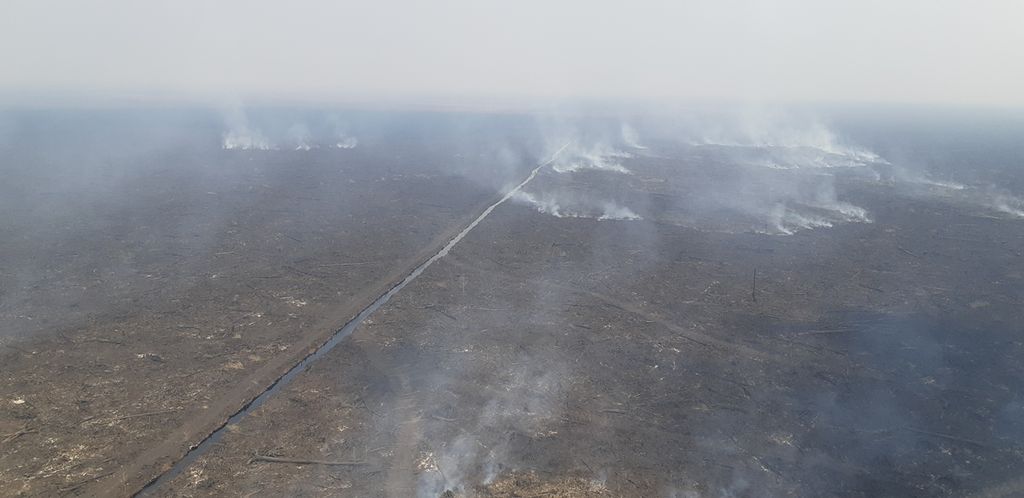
[296, 461]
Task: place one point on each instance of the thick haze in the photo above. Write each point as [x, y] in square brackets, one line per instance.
[881, 51]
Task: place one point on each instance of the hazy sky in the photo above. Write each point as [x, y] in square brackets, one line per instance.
[961, 52]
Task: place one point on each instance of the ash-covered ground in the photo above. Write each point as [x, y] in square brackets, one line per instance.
[714, 305]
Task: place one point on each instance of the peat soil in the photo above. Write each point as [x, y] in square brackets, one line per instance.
[143, 303]
[658, 357]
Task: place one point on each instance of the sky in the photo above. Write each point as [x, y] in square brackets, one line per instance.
[902, 51]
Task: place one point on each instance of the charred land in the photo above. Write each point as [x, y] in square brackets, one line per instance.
[627, 306]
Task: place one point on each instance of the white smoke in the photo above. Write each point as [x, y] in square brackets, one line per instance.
[788, 219]
[526, 404]
[299, 137]
[804, 156]
[545, 206]
[240, 135]
[245, 140]
[615, 212]
[781, 143]
[596, 157]
[343, 139]
[906, 175]
[943, 184]
[778, 173]
[785, 134]
[575, 207]
[630, 137]
[346, 142]
[820, 208]
[1007, 204]
[987, 197]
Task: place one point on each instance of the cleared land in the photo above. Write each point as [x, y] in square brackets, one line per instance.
[578, 357]
[140, 318]
[590, 353]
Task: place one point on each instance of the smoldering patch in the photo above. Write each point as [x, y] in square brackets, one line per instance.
[245, 139]
[796, 157]
[527, 403]
[612, 211]
[568, 206]
[942, 186]
[346, 142]
[299, 138]
[984, 200]
[631, 138]
[782, 135]
[789, 219]
[600, 157]
[1006, 204]
[777, 180]
[573, 196]
[243, 134]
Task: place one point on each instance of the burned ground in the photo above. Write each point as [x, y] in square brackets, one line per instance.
[649, 329]
[640, 358]
[149, 300]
